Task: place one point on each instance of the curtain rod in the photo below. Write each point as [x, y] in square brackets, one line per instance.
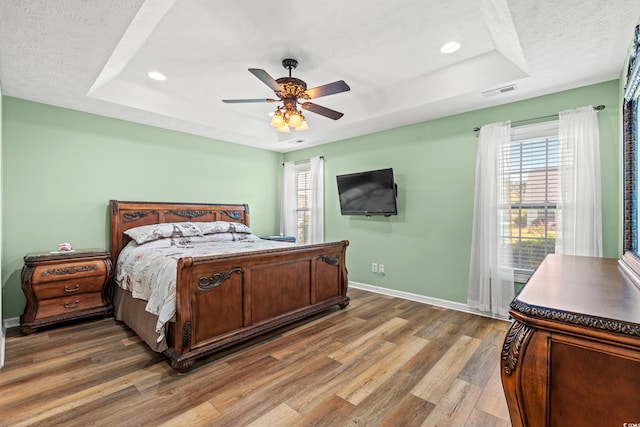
[598, 108]
[304, 161]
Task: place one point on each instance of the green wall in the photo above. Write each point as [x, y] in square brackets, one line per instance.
[61, 168]
[426, 248]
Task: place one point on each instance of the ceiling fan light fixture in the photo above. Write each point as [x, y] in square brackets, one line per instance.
[290, 90]
[278, 119]
[284, 128]
[303, 125]
[295, 119]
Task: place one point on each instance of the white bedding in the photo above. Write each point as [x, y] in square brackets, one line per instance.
[149, 270]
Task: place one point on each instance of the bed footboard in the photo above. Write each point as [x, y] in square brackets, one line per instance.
[224, 300]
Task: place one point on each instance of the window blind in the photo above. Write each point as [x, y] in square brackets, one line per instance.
[531, 175]
[303, 186]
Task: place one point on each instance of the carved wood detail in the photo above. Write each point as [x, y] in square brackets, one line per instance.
[186, 334]
[133, 216]
[190, 214]
[69, 270]
[329, 259]
[208, 283]
[577, 319]
[182, 366]
[516, 337]
[237, 215]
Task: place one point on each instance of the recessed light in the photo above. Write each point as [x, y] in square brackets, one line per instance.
[157, 76]
[450, 47]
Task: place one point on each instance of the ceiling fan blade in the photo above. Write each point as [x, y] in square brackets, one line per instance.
[323, 111]
[243, 101]
[328, 89]
[266, 78]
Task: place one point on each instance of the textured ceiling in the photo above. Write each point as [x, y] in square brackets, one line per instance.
[95, 55]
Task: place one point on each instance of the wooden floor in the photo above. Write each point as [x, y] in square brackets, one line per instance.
[382, 361]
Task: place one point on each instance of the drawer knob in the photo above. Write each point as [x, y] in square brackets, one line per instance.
[72, 305]
[70, 289]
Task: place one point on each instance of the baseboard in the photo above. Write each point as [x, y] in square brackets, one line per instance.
[423, 299]
[12, 322]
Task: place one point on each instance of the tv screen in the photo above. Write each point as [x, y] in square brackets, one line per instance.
[367, 193]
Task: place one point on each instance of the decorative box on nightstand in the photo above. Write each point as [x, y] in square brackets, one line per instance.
[61, 286]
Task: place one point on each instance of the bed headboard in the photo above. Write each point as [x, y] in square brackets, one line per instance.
[126, 215]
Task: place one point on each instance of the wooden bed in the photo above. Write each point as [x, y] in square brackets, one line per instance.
[226, 299]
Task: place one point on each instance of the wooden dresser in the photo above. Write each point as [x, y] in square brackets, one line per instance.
[572, 355]
[65, 286]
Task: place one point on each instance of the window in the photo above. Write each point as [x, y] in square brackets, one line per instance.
[303, 202]
[532, 177]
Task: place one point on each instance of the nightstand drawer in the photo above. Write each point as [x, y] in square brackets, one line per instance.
[68, 271]
[68, 287]
[59, 307]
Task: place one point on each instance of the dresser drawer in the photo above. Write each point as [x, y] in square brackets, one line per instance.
[59, 307]
[67, 271]
[68, 287]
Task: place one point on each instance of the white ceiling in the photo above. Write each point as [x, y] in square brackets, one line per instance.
[94, 56]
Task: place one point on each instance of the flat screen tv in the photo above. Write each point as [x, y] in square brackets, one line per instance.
[368, 193]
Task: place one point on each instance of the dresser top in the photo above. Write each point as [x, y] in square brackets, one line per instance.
[584, 291]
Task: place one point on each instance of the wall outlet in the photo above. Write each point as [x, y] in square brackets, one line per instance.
[381, 269]
[374, 267]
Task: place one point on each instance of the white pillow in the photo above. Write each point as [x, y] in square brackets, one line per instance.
[223, 227]
[149, 233]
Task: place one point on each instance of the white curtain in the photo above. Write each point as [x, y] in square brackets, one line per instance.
[289, 216]
[579, 213]
[490, 270]
[316, 208]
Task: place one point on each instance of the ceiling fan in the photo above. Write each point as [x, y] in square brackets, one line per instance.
[291, 91]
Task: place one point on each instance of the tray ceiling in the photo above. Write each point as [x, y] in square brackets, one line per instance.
[95, 56]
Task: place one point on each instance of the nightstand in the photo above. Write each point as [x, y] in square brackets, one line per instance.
[61, 286]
